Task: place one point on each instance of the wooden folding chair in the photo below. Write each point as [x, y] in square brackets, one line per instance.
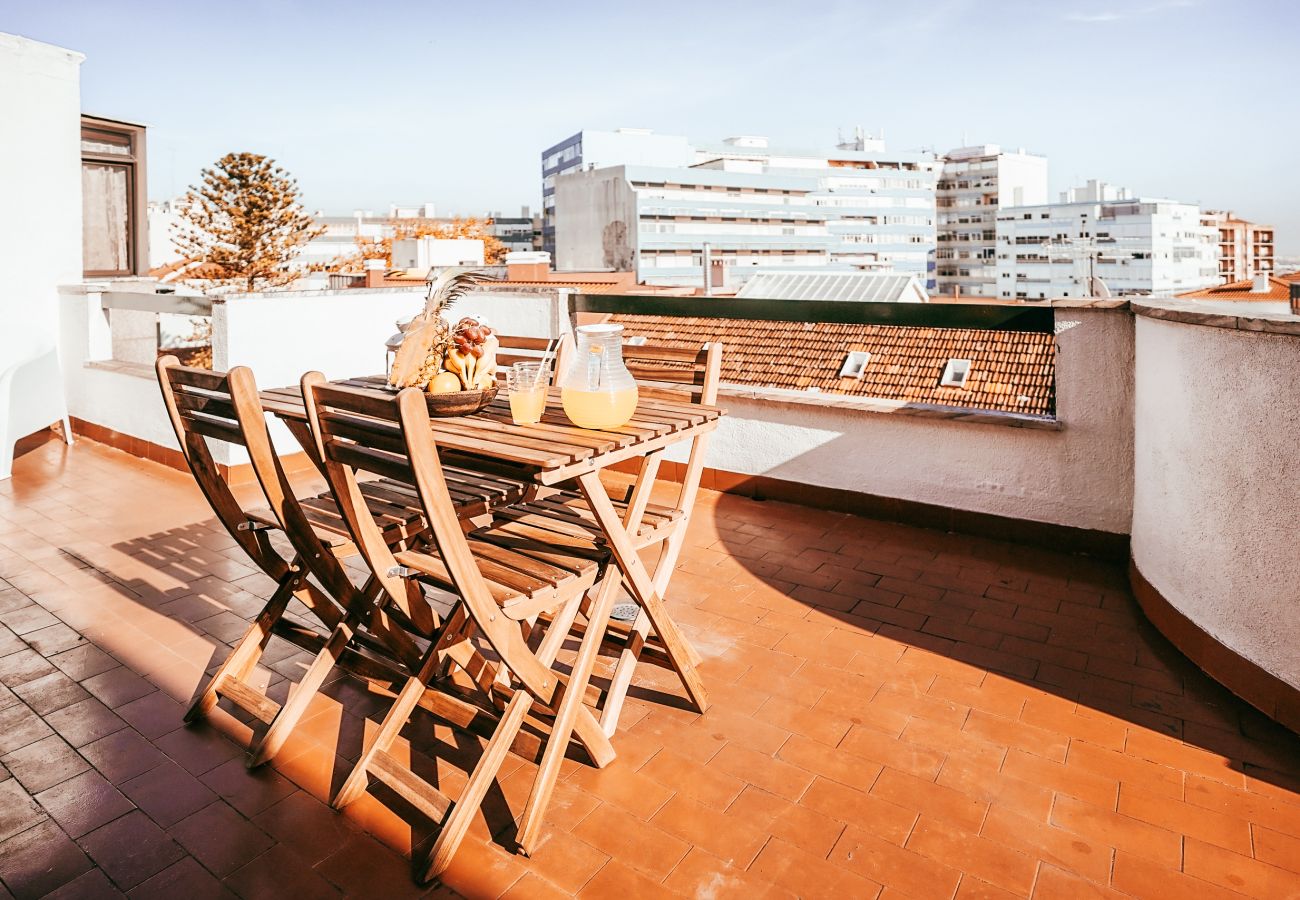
[225, 406]
[514, 348]
[662, 373]
[497, 587]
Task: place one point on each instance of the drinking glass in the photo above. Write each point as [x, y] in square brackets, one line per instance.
[527, 383]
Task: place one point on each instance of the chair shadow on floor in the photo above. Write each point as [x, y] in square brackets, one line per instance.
[195, 578]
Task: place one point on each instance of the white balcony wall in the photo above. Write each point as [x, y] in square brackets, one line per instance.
[1080, 476]
[40, 183]
[1218, 484]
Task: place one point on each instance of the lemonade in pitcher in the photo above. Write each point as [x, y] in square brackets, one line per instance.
[597, 391]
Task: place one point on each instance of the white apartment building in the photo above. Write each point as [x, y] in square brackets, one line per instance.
[975, 183]
[1098, 241]
[850, 208]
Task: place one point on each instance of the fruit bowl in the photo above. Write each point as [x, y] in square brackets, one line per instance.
[459, 403]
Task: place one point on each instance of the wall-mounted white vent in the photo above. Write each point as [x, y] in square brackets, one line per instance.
[855, 364]
[955, 373]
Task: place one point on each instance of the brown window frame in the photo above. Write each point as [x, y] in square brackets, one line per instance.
[137, 231]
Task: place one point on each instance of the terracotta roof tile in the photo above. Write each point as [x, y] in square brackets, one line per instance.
[1013, 371]
[1278, 290]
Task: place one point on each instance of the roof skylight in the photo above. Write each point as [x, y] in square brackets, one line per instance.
[955, 373]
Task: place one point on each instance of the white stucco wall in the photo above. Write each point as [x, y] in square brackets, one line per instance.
[1081, 475]
[1217, 503]
[40, 187]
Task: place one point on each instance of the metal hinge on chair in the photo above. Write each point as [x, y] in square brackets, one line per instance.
[250, 525]
[400, 572]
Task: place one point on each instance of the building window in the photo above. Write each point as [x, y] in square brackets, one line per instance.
[113, 198]
[855, 364]
[955, 373]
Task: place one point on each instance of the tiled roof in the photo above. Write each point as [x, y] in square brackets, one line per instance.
[1278, 290]
[1013, 371]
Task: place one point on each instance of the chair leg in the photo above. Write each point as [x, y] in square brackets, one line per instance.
[250, 647]
[397, 716]
[485, 772]
[530, 824]
[278, 732]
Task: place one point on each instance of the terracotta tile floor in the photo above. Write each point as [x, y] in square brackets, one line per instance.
[896, 712]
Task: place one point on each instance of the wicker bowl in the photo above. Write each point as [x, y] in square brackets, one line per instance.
[459, 403]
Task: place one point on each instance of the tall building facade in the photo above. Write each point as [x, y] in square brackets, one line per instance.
[974, 184]
[853, 207]
[1099, 241]
[1245, 248]
[596, 149]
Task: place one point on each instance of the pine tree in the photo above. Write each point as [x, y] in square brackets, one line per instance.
[245, 218]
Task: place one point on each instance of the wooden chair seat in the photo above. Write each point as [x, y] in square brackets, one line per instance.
[571, 507]
[524, 576]
[390, 502]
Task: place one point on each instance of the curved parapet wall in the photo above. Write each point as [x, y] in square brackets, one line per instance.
[1216, 504]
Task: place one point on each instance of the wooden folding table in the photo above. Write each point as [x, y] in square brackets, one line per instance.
[555, 454]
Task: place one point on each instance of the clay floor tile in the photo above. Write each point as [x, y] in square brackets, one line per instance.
[185, 878]
[703, 784]
[44, 764]
[866, 811]
[618, 880]
[988, 860]
[644, 847]
[23, 666]
[1087, 856]
[198, 748]
[1160, 845]
[266, 876]
[131, 849]
[83, 661]
[362, 867]
[91, 884]
[1143, 878]
[1056, 884]
[867, 748]
[122, 755]
[220, 838]
[40, 860]
[1099, 790]
[305, 825]
[18, 811]
[785, 777]
[117, 686]
[250, 792]
[701, 874]
[51, 692]
[481, 869]
[807, 875]
[20, 726]
[729, 837]
[153, 715]
[168, 793]
[84, 722]
[84, 803]
[1275, 848]
[933, 801]
[53, 639]
[566, 861]
[534, 887]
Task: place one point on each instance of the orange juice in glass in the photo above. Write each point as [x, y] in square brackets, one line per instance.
[527, 383]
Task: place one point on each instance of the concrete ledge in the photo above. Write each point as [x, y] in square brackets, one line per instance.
[1235, 316]
[1261, 689]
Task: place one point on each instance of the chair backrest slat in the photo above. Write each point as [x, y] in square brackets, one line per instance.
[213, 427]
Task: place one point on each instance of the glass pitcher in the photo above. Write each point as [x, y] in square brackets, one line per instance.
[596, 389]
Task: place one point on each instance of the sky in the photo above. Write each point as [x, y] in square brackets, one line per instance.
[368, 104]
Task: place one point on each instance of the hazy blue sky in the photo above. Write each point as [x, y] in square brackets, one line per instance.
[379, 102]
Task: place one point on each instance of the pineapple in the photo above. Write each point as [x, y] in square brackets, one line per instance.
[427, 339]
